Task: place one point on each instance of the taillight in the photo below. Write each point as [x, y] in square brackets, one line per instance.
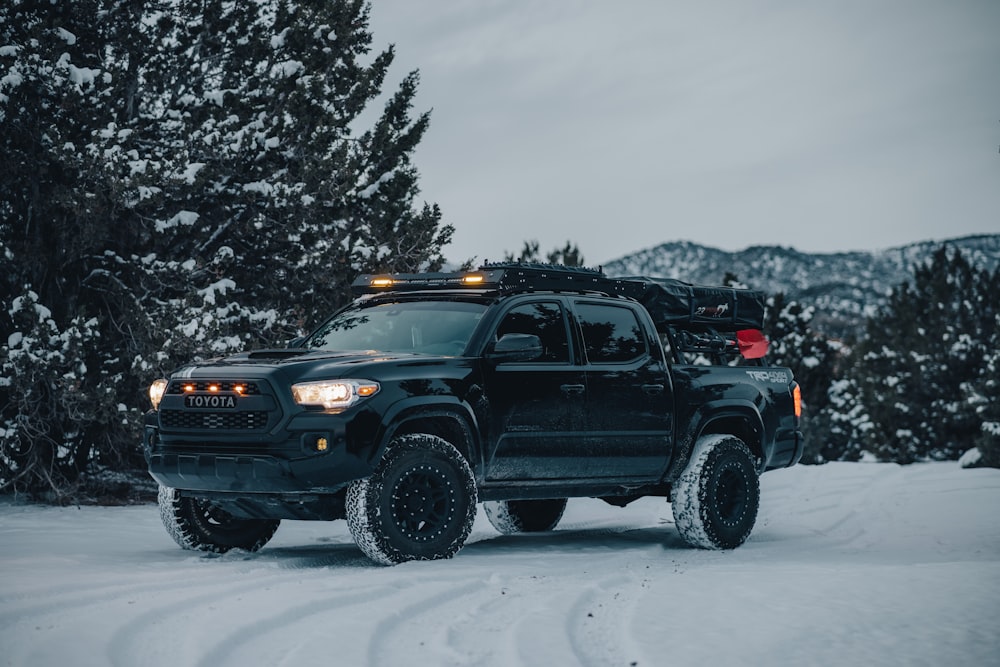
[797, 399]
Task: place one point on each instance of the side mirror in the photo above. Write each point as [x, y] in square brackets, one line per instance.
[516, 347]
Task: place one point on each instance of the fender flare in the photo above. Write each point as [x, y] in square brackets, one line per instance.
[702, 421]
[434, 407]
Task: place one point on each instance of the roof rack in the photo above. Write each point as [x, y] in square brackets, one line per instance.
[670, 302]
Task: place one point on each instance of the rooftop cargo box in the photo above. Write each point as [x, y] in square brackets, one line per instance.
[677, 303]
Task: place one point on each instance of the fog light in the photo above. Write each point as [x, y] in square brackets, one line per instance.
[321, 444]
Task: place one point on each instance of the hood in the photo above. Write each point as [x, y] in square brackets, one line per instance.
[297, 362]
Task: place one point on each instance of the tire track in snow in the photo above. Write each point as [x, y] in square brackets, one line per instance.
[46, 601]
[432, 608]
[184, 622]
[831, 513]
[278, 637]
[598, 623]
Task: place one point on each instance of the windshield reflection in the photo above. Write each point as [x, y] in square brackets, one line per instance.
[419, 327]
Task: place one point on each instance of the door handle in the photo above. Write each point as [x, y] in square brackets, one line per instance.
[653, 388]
[572, 389]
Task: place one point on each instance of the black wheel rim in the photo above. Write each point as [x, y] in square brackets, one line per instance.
[220, 522]
[423, 503]
[731, 495]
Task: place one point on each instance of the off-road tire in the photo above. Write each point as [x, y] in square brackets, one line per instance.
[524, 516]
[715, 501]
[418, 504]
[199, 525]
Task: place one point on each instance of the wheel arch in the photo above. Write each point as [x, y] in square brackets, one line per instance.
[744, 423]
[737, 418]
[451, 421]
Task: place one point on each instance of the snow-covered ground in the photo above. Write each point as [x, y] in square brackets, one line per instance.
[863, 564]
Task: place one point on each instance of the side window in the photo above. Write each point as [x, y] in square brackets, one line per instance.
[543, 319]
[611, 334]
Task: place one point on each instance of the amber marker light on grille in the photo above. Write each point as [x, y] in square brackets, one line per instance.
[189, 388]
[239, 389]
[214, 388]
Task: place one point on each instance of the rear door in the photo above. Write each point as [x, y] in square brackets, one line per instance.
[629, 406]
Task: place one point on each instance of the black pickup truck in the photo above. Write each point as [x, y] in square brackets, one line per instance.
[515, 385]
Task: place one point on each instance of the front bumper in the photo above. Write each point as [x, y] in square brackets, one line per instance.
[289, 464]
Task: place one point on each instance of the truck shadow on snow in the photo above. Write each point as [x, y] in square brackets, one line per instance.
[575, 542]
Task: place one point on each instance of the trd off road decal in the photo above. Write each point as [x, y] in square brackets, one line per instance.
[778, 377]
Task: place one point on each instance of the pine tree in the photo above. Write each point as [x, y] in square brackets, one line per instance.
[919, 355]
[984, 397]
[274, 191]
[59, 230]
[983, 393]
[568, 255]
[182, 178]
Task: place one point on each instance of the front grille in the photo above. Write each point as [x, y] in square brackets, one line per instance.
[241, 420]
[242, 388]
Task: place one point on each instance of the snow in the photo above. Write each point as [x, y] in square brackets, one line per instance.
[80, 76]
[373, 188]
[66, 36]
[186, 218]
[189, 174]
[278, 41]
[287, 68]
[850, 563]
[217, 97]
[262, 187]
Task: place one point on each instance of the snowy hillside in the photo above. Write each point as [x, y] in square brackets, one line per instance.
[845, 287]
[850, 563]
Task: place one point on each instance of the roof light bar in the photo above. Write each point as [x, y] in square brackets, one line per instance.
[409, 282]
[502, 277]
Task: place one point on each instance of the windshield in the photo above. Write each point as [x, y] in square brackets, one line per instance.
[421, 327]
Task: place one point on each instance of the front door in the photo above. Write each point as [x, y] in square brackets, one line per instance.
[536, 408]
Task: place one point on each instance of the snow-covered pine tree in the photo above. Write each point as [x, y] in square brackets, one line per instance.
[984, 397]
[60, 86]
[185, 177]
[919, 354]
[983, 393]
[278, 200]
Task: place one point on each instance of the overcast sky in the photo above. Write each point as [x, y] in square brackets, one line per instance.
[825, 126]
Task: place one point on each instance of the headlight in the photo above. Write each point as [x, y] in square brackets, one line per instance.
[156, 391]
[333, 393]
